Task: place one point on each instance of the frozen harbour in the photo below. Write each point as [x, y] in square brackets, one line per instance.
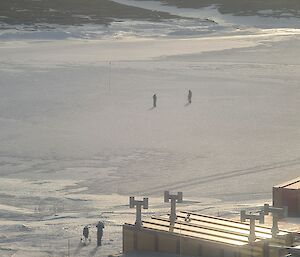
[78, 134]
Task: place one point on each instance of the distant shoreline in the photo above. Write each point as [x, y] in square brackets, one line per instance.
[263, 8]
[80, 12]
[72, 12]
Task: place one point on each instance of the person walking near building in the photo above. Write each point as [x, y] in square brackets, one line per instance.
[85, 240]
[100, 227]
[85, 232]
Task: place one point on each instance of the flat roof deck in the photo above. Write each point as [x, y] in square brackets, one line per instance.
[291, 184]
[209, 228]
[295, 186]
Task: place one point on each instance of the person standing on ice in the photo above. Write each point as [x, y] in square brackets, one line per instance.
[190, 97]
[100, 227]
[154, 100]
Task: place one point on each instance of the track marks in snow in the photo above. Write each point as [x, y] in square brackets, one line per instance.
[220, 176]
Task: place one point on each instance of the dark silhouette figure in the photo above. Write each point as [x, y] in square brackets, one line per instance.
[190, 97]
[154, 100]
[85, 240]
[100, 227]
[85, 232]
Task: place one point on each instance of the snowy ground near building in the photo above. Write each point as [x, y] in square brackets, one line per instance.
[79, 135]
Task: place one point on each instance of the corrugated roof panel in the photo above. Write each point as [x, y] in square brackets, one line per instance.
[229, 223]
[194, 234]
[199, 230]
[208, 228]
[224, 228]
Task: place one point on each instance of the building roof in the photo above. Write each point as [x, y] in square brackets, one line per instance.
[208, 228]
[292, 184]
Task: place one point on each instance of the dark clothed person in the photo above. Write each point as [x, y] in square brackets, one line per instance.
[190, 97]
[154, 100]
[85, 232]
[100, 227]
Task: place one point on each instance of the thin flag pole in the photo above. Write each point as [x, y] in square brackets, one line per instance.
[109, 76]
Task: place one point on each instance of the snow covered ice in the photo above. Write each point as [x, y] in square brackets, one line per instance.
[78, 135]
